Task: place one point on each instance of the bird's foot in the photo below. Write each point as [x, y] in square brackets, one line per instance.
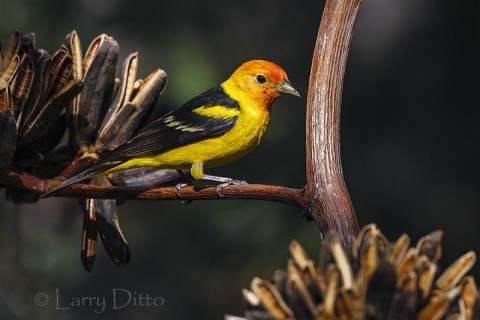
[224, 181]
[178, 188]
[224, 184]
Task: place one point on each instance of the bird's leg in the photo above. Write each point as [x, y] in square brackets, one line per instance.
[180, 185]
[224, 181]
[197, 173]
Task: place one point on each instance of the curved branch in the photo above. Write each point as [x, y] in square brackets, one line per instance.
[329, 203]
[281, 194]
[250, 191]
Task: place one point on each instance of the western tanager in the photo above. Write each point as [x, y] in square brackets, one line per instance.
[216, 127]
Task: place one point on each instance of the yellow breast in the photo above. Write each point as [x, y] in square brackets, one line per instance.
[243, 137]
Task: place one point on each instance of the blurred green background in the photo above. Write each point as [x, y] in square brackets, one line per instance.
[409, 148]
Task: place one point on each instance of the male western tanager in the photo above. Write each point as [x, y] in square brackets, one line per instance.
[216, 127]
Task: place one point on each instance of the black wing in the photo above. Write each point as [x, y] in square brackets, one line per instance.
[177, 128]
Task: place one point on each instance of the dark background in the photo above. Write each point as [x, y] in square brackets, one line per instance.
[410, 151]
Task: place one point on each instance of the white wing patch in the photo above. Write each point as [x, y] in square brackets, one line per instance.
[178, 125]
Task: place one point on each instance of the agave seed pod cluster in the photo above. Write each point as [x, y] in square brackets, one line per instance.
[35, 88]
[108, 110]
[104, 115]
[377, 280]
[59, 112]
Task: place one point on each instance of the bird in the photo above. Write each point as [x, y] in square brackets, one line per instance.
[218, 126]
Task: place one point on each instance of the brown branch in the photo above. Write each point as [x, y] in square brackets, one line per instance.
[281, 194]
[329, 203]
[250, 191]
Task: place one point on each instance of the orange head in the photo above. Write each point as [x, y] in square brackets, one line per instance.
[262, 81]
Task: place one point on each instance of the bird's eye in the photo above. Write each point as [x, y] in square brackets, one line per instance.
[261, 78]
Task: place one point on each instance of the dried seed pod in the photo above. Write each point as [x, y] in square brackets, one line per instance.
[147, 95]
[293, 268]
[120, 109]
[130, 105]
[367, 232]
[298, 254]
[6, 100]
[22, 86]
[300, 297]
[8, 130]
[11, 50]
[98, 72]
[438, 305]
[89, 234]
[109, 229]
[51, 90]
[143, 103]
[10, 71]
[147, 90]
[44, 118]
[60, 71]
[271, 299]
[251, 300]
[125, 91]
[328, 309]
[72, 43]
[40, 60]
[468, 297]
[408, 282]
[369, 258]
[430, 245]
[399, 248]
[407, 264]
[456, 271]
[103, 213]
[426, 276]
[306, 266]
[341, 259]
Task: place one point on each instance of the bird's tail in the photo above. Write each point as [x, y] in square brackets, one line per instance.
[84, 175]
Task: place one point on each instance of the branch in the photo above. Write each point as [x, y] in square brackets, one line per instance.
[329, 203]
[281, 194]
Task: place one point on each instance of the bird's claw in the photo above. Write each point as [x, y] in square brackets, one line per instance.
[220, 186]
[178, 187]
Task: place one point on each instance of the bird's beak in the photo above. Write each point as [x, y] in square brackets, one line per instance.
[286, 87]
